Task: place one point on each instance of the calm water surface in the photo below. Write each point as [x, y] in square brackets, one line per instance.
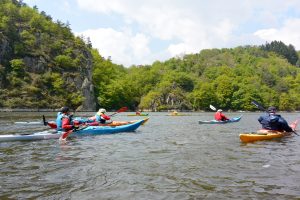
[167, 158]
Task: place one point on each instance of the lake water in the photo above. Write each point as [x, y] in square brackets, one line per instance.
[167, 158]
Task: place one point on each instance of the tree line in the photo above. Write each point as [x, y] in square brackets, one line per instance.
[40, 59]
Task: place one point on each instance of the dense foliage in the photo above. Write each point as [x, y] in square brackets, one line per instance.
[40, 59]
[280, 48]
[226, 78]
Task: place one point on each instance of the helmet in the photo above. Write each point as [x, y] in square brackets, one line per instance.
[272, 109]
[220, 110]
[65, 109]
[102, 110]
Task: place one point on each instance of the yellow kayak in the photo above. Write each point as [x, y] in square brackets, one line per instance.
[252, 137]
[142, 114]
[266, 134]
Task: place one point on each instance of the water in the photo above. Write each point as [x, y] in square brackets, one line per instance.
[167, 158]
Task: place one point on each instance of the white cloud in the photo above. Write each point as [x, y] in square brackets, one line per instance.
[289, 33]
[123, 47]
[189, 26]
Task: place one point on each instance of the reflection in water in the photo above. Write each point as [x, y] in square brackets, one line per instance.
[167, 158]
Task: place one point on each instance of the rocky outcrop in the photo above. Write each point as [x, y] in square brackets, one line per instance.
[87, 87]
[89, 103]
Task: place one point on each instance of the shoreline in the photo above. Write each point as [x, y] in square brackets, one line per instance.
[35, 110]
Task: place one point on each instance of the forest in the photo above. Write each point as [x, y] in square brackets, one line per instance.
[44, 65]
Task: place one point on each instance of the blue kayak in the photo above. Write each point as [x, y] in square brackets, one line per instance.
[234, 119]
[90, 130]
[100, 130]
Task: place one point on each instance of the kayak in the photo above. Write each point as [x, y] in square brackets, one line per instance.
[234, 119]
[256, 136]
[142, 114]
[100, 130]
[52, 124]
[28, 123]
[178, 115]
[175, 113]
[264, 134]
[89, 130]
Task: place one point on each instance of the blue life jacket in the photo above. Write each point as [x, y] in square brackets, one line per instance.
[59, 118]
[274, 122]
[59, 121]
[100, 119]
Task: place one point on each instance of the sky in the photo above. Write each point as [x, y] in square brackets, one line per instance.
[135, 32]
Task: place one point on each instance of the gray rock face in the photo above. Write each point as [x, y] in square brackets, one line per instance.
[81, 78]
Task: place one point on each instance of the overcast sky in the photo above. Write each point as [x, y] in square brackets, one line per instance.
[141, 32]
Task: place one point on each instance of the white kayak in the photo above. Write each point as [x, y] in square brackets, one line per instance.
[28, 123]
[44, 135]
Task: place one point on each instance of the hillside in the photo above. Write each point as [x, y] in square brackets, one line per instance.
[42, 63]
[226, 78]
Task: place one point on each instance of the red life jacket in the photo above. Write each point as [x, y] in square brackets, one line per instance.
[220, 116]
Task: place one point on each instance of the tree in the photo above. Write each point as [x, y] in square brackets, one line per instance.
[280, 48]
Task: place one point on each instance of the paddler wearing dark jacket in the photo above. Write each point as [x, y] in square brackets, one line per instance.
[272, 121]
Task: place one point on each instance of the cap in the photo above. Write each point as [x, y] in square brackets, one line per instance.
[220, 110]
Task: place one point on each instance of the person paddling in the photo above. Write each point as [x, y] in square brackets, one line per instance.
[273, 121]
[219, 116]
[64, 120]
[100, 116]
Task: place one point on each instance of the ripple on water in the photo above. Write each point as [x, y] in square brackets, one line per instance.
[167, 158]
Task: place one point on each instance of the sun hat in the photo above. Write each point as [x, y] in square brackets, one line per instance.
[101, 110]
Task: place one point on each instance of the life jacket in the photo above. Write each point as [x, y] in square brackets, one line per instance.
[103, 118]
[95, 118]
[220, 116]
[59, 118]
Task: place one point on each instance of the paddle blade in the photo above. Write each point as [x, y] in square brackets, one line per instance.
[44, 121]
[258, 105]
[212, 107]
[123, 109]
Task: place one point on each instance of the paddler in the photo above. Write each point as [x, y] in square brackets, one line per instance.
[272, 121]
[100, 116]
[64, 120]
[219, 116]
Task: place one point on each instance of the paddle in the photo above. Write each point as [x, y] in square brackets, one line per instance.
[123, 109]
[259, 106]
[44, 121]
[212, 107]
